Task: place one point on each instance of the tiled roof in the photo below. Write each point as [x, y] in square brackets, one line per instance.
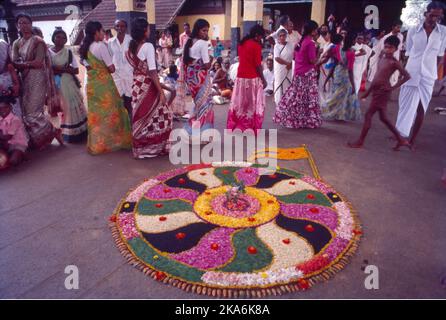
[105, 13]
[22, 3]
[166, 11]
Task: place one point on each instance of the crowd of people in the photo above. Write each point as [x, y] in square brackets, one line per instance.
[134, 91]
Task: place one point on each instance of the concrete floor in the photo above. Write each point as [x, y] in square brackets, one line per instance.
[54, 212]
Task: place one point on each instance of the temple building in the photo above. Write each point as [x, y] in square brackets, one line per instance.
[229, 19]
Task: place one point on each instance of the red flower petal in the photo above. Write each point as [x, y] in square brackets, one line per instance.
[316, 263]
[159, 275]
[180, 235]
[309, 228]
[303, 284]
[252, 250]
[198, 166]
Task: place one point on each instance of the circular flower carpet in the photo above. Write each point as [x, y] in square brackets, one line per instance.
[228, 231]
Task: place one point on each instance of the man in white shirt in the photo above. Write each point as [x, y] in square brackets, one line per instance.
[293, 36]
[123, 75]
[233, 69]
[284, 21]
[268, 74]
[425, 47]
[362, 55]
[185, 35]
[396, 28]
[324, 37]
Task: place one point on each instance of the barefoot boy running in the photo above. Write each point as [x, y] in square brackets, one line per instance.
[381, 90]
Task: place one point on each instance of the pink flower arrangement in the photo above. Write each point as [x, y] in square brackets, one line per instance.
[243, 206]
[126, 222]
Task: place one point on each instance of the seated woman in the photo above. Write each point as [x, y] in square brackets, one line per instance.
[13, 137]
[221, 87]
[172, 75]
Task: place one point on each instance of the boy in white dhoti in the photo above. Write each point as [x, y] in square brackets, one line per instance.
[425, 48]
[362, 55]
[123, 76]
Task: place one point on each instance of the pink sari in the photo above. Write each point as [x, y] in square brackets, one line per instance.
[247, 105]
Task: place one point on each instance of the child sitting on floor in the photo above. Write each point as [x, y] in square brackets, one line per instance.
[172, 76]
[381, 90]
[13, 137]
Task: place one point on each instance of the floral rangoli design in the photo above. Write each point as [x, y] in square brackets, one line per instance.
[229, 231]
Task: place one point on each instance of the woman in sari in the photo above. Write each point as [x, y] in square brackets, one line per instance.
[30, 56]
[108, 120]
[343, 103]
[196, 64]
[299, 106]
[283, 63]
[247, 108]
[326, 64]
[152, 119]
[65, 68]
[9, 80]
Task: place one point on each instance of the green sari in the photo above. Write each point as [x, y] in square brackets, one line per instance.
[108, 121]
